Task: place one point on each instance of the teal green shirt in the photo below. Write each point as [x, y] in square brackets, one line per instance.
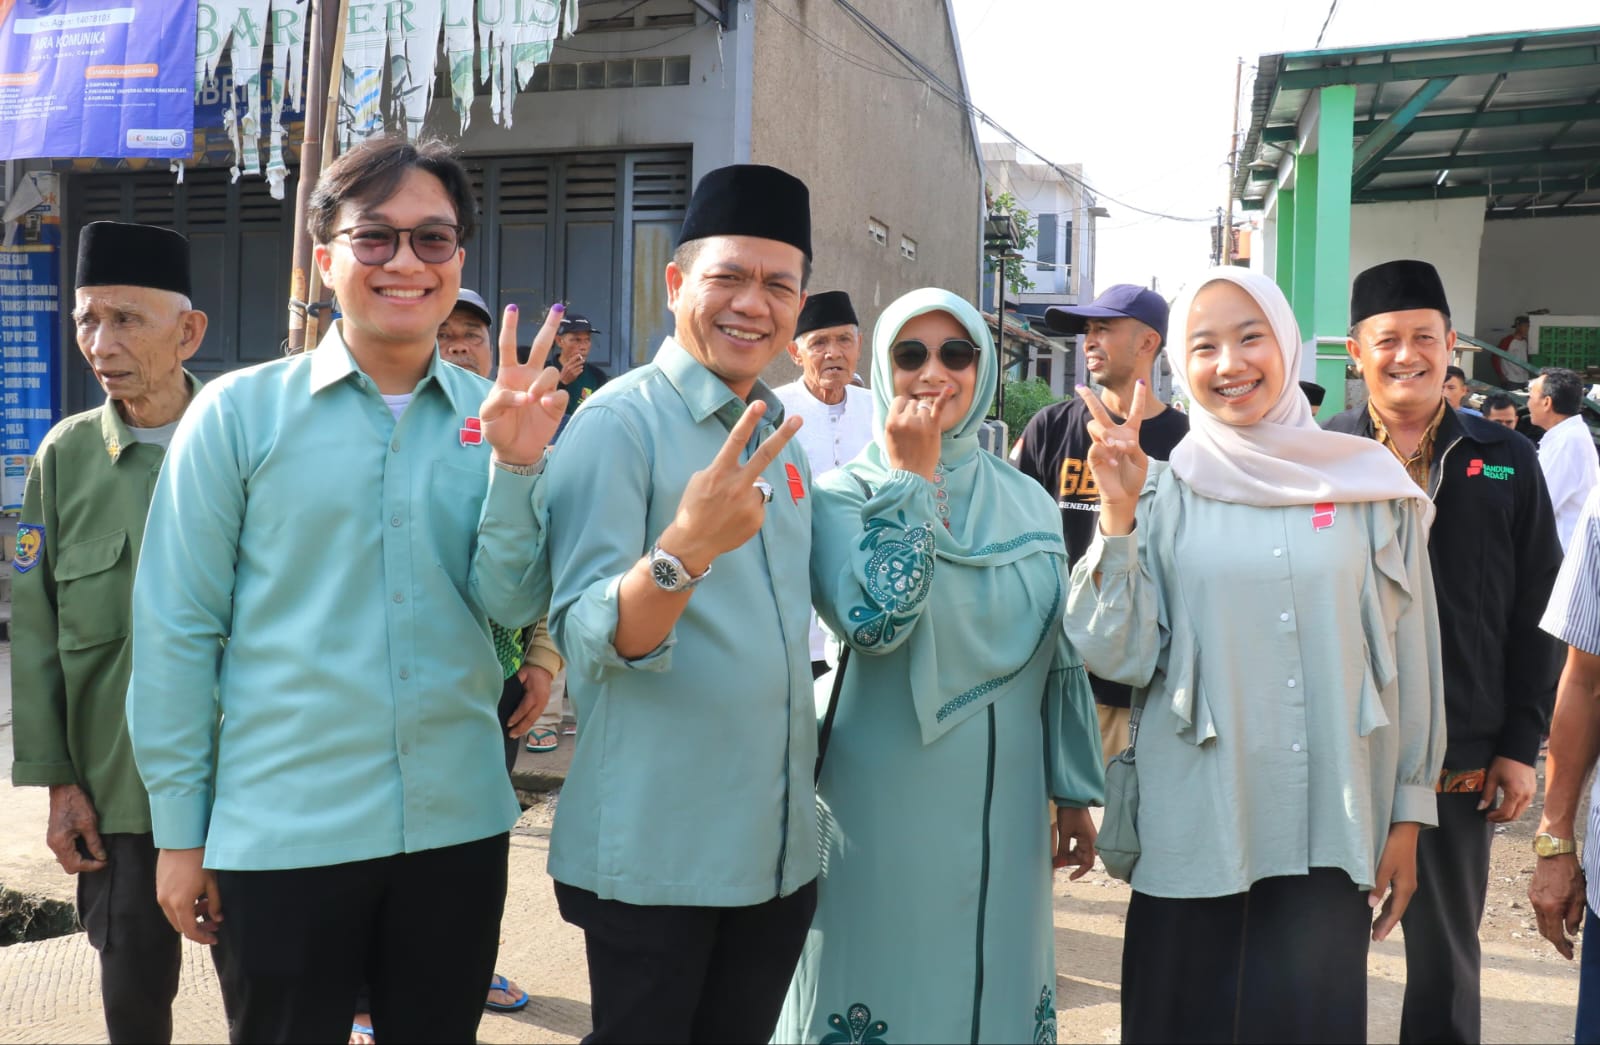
[691, 781]
[313, 678]
[1293, 685]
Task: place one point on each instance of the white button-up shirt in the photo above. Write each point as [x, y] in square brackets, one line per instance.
[829, 439]
[1571, 469]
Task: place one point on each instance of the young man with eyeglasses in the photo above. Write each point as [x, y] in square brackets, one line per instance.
[1123, 329]
[312, 705]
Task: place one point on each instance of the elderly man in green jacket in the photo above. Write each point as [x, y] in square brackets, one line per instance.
[83, 517]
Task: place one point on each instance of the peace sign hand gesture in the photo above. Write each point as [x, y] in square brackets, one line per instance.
[1119, 465]
[722, 505]
[523, 410]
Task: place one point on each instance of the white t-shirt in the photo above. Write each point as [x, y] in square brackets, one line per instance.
[398, 404]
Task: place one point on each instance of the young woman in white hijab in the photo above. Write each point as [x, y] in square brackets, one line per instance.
[1267, 594]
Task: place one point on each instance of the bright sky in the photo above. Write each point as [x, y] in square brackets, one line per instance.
[1142, 94]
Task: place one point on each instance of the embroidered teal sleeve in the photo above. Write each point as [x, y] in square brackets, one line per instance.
[872, 560]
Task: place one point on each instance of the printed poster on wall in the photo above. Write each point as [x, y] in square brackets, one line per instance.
[30, 330]
[96, 78]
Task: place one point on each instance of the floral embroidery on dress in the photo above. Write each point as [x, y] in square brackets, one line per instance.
[1044, 1018]
[899, 576]
[857, 1027]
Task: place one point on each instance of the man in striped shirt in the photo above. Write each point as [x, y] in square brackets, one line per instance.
[1558, 892]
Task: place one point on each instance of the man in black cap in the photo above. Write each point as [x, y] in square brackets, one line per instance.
[1314, 394]
[580, 378]
[83, 517]
[679, 542]
[1123, 329]
[1495, 556]
[837, 414]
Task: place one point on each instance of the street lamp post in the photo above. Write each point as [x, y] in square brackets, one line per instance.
[1000, 239]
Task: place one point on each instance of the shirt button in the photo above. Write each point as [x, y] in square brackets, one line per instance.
[1281, 616]
[1296, 747]
[395, 521]
[1277, 553]
[400, 597]
[1291, 683]
[405, 673]
[405, 749]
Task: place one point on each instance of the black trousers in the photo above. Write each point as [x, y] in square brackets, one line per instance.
[1284, 962]
[140, 952]
[688, 974]
[1443, 957]
[421, 928]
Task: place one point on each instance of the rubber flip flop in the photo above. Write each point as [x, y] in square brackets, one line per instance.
[541, 740]
[500, 983]
[362, 1028]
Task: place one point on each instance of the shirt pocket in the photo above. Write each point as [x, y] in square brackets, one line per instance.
[455, 504]
[93, 591]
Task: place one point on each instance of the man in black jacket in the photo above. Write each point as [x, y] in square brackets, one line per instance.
[1495, 556]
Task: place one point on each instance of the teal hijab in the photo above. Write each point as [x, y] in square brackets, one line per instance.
[997, 591]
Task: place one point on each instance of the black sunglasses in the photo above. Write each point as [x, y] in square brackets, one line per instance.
[434, 243]
[956, 354]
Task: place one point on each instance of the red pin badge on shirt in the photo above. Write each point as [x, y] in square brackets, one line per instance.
[471, 432]
[1322, 515]
[797, 488]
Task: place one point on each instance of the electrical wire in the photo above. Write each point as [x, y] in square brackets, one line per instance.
[1325, 23]
[565, 46]
[955, 97]
[838, 50]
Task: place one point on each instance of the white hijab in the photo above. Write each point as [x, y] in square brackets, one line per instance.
[1284, 458]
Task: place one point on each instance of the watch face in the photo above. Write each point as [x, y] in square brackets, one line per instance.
[666, 575]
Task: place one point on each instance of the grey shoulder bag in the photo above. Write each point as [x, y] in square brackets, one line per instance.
[1118, 840]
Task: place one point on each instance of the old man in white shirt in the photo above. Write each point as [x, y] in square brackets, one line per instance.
[838, 415]
[1566, 453]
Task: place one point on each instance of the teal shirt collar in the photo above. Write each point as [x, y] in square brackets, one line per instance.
[704, 393]
[332, 362]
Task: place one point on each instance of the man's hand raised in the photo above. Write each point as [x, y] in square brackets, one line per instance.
[722, 507]
[525, 407]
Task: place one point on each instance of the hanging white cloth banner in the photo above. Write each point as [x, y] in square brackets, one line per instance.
[459, 46]
[514, 36]
[244, 27]
[288, 81]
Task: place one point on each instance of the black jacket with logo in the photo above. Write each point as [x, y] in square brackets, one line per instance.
[1495, 555]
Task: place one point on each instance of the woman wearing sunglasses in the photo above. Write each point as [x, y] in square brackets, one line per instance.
[1267, 594]
[963, 709]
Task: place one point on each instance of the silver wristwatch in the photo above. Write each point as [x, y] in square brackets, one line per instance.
[668, 571]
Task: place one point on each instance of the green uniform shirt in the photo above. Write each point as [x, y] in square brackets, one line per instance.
[83, 516]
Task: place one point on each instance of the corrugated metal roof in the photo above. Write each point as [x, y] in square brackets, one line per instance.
[1515, 119]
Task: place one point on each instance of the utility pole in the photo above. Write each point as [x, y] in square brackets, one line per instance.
[1233, 163]
[324, 75]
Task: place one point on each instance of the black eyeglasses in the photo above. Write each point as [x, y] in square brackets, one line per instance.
[433, 243]
[956, 354]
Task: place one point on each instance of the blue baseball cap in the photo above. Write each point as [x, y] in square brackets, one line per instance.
[1125, 300]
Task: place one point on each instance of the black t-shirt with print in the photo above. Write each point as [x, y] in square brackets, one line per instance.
[1055, 453]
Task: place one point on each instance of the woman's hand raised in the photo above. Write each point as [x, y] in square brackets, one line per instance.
[913, 432]
[1118, 464]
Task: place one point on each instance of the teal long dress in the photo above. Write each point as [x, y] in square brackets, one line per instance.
[934, 918]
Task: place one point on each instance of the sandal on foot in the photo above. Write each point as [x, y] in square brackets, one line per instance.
[500, 983]
[541, 740]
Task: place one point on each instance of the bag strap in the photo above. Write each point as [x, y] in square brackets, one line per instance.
[827, 719]
[838, 679]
